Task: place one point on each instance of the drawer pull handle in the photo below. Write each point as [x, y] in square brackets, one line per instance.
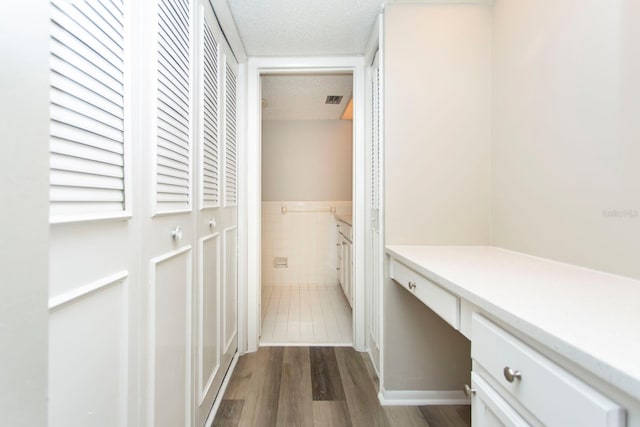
[511, 375]
[412, 285]
[468, 391]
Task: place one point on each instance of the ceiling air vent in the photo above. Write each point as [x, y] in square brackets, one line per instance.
[333, 99]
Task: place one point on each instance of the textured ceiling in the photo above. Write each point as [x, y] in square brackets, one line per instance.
[302, 96]
[304, 27]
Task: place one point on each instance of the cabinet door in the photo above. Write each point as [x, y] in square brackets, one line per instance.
[489, 409]
[348, 271]
[94, 278]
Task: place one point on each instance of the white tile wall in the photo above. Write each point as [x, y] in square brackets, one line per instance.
[307, 239]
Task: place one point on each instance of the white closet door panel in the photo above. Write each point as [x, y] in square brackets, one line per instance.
[171, 302]
[230, 282]
[88, 370]
[209, 317]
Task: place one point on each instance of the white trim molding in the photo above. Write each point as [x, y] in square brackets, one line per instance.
[422, 397]
[252, 163]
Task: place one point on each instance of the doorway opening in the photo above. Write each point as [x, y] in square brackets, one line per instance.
[250, 315]
[306, 203]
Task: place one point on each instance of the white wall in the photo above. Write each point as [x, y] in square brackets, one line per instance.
[437, 70]
[24, 186]
[306, 160]
[438, 124]
[566, 149]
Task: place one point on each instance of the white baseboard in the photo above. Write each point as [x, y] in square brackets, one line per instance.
[223, 388]
[422, 397]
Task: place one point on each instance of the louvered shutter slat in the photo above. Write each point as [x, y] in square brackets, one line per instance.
[114, 7]
[82, 137]
[230, 149]
[94, 29]
[73, 149]
[84, 194]
[86, 107]
[167, 172]
[70, 179]
[78, 91]
[174, 123]
[166, 153]
[81, 77]
[70, 43]
[90, 167]
[107, 22]
[173, 179]
[87, 123]
[210, 196]
[87, 161]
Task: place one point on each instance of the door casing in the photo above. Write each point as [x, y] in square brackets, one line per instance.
[249, 308]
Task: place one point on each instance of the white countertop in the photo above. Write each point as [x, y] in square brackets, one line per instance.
[590, 317]
[348, 218]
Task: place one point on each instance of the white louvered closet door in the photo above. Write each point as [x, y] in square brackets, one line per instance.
[375, 202]
[94, 274]
[229, 210]
[211, 223]
[169, 246]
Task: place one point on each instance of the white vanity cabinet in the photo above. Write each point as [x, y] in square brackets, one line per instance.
[543, 392]
[551, 344]
[345, 263]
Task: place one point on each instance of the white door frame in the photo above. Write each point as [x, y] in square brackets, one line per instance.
[253, 174]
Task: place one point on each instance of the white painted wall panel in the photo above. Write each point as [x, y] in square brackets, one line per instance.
[566, 96]
[437, 94]
[306, 160]
[24, 171]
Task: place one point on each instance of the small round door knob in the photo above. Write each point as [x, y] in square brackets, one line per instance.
[176, 233]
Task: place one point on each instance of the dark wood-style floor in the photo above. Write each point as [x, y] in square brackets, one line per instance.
[318, 386]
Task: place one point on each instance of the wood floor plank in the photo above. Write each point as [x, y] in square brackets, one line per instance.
[228, 414]
[405, 416]
[261, 405]
[241, 379]
[359, 390]
[294, 405]
[331, 414]
[449, 416]
[370, 369]
[325, 376]
[465, 413]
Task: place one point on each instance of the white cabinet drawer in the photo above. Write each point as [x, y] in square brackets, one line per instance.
[551, 394]
[489, 409]
[443, 303]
